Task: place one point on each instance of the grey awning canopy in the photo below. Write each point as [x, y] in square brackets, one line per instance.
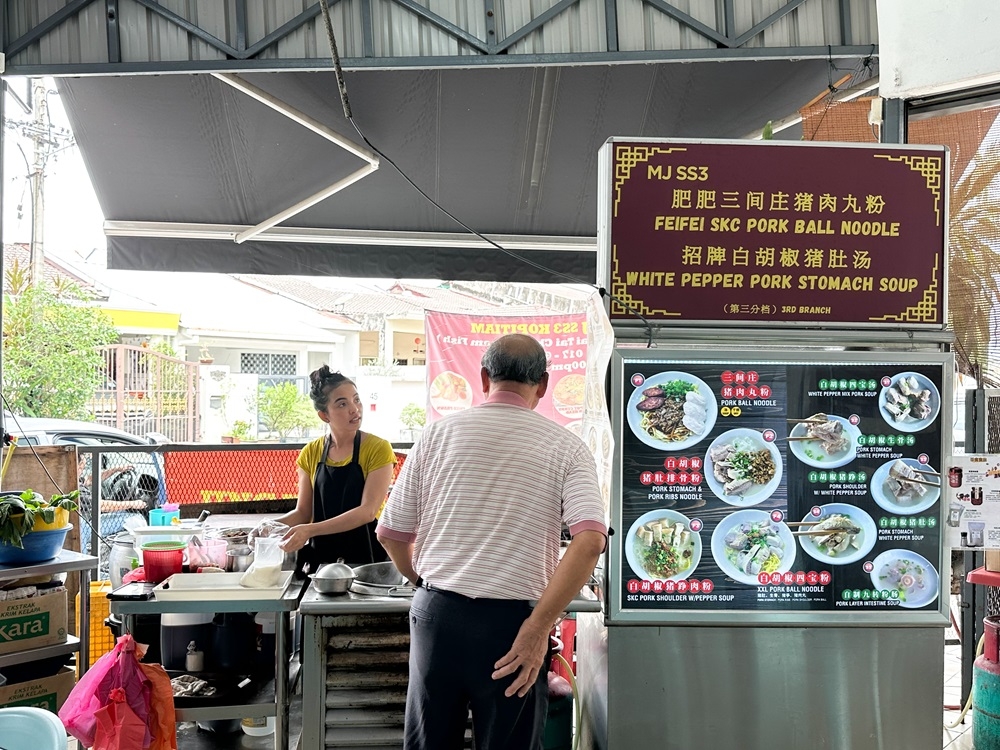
[510, 151]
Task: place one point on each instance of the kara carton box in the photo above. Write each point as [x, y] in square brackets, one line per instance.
[34, 622]
[44, 692]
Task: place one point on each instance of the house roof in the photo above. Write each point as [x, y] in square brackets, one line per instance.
[399, 300]
[55, 270]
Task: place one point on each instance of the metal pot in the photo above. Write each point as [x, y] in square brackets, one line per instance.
[238, 559]
[333, 578]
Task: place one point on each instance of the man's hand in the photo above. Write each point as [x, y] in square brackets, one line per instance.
[297, 537]
[526, 657]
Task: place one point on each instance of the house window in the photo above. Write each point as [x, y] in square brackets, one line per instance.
[267, 364]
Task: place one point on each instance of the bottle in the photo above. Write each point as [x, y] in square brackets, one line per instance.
[259, 726]
[194, 660]
[122, 558]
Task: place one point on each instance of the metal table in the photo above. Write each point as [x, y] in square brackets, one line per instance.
[283, 607]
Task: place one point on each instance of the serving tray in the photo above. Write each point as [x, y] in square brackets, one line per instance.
[191, 587]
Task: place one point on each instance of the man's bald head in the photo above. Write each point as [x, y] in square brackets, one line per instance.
[515, 358]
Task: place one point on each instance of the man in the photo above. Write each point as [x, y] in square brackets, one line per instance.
[475, 520]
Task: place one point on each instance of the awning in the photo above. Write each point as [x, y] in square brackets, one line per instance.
[183, 163]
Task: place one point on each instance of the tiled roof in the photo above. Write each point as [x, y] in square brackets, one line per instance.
[54, 271]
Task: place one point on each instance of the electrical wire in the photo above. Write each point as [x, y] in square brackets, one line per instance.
[345, 102]
[968, 703]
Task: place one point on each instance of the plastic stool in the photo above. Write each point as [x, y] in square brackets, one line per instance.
[24, 728]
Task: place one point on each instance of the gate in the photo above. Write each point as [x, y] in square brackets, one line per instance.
[145, 391]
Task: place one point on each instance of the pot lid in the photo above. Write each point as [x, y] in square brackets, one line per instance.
[334, 572]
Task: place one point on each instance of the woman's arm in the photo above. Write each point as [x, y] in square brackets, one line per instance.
[376, 489]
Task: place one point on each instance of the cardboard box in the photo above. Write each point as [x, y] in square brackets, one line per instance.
[46, 692]
[993, 560]
[34, 622]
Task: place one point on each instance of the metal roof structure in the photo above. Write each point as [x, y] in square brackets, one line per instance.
[243, 157]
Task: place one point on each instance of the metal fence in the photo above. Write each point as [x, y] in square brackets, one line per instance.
[119, 483]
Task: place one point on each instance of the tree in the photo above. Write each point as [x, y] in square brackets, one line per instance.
[283, 409]
[51, 362]
[413, 416]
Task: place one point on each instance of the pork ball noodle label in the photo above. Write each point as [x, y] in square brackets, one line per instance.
[671, 410]
[662, 545]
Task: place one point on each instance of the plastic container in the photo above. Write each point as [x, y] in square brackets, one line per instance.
[123, 558]
[234, 639]
[177, 630]
[160, 560]
[39, 546]
[259, 726]
[209, 553]
[163, 517]
[266, 623]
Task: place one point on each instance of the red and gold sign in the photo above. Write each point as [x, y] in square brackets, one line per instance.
[752, 232]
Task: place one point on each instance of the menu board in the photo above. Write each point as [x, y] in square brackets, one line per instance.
[779, 486]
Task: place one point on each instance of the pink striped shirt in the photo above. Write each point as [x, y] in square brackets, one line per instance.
[483, 496]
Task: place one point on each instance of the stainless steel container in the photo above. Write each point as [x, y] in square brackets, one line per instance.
[238, 559]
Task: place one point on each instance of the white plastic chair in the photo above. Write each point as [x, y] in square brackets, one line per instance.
[23, 728]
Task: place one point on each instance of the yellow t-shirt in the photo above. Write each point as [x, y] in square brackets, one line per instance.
[373, 454]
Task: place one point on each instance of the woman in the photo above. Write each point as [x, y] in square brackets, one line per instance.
[343, 480]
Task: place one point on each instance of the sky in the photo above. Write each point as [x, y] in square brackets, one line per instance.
[73, 219]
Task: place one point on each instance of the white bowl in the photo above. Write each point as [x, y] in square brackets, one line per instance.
[654, 515]
[634, 416]
[733, 520]
[933, 583]
[759, 492]
[887, 501]
[810, 453]
[869, 534]
[909, 424]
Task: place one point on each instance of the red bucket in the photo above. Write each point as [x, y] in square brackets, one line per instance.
[160, 560]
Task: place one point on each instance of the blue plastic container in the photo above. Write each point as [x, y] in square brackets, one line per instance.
[39, 546]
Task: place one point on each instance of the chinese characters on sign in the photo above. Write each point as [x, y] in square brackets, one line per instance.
[753, 232]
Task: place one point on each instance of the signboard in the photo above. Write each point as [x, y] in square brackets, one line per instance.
[762, 232]
[456, 344]
[972, 497]
[770, 486]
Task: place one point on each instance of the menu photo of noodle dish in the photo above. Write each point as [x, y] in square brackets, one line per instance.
[671, 411]
[661, 546]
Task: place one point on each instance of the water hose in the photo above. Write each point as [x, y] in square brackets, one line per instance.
[577, 708]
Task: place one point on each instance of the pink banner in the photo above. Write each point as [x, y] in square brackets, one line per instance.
[456, 343]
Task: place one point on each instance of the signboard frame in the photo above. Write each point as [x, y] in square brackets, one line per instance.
[641, 315]
[620, 388]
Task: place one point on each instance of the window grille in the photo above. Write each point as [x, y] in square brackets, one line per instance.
[257, 363]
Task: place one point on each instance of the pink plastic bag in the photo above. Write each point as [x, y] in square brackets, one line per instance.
[118, 728]
[118, 668]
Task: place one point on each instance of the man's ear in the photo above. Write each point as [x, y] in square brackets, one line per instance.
[486, 379]
[543, 385]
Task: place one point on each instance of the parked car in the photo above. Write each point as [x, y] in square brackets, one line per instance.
[131, 483]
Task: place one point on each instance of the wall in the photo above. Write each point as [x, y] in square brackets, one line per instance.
[929, 46]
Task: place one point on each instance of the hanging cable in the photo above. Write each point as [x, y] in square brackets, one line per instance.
[342, 88]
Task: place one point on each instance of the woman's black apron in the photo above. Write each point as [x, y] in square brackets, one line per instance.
[336, 490]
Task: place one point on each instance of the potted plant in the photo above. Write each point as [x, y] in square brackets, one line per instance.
[26, 512]
[240, 433]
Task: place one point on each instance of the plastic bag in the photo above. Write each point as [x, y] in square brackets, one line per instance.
[118, 726]
[119, 668]
[162, 718]
[266, 528]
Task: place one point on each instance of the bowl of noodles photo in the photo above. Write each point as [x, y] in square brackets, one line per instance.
[568, 394]
[672, 411]
[748, 543]
[741, 468]
[450, 392]
[660, 546]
